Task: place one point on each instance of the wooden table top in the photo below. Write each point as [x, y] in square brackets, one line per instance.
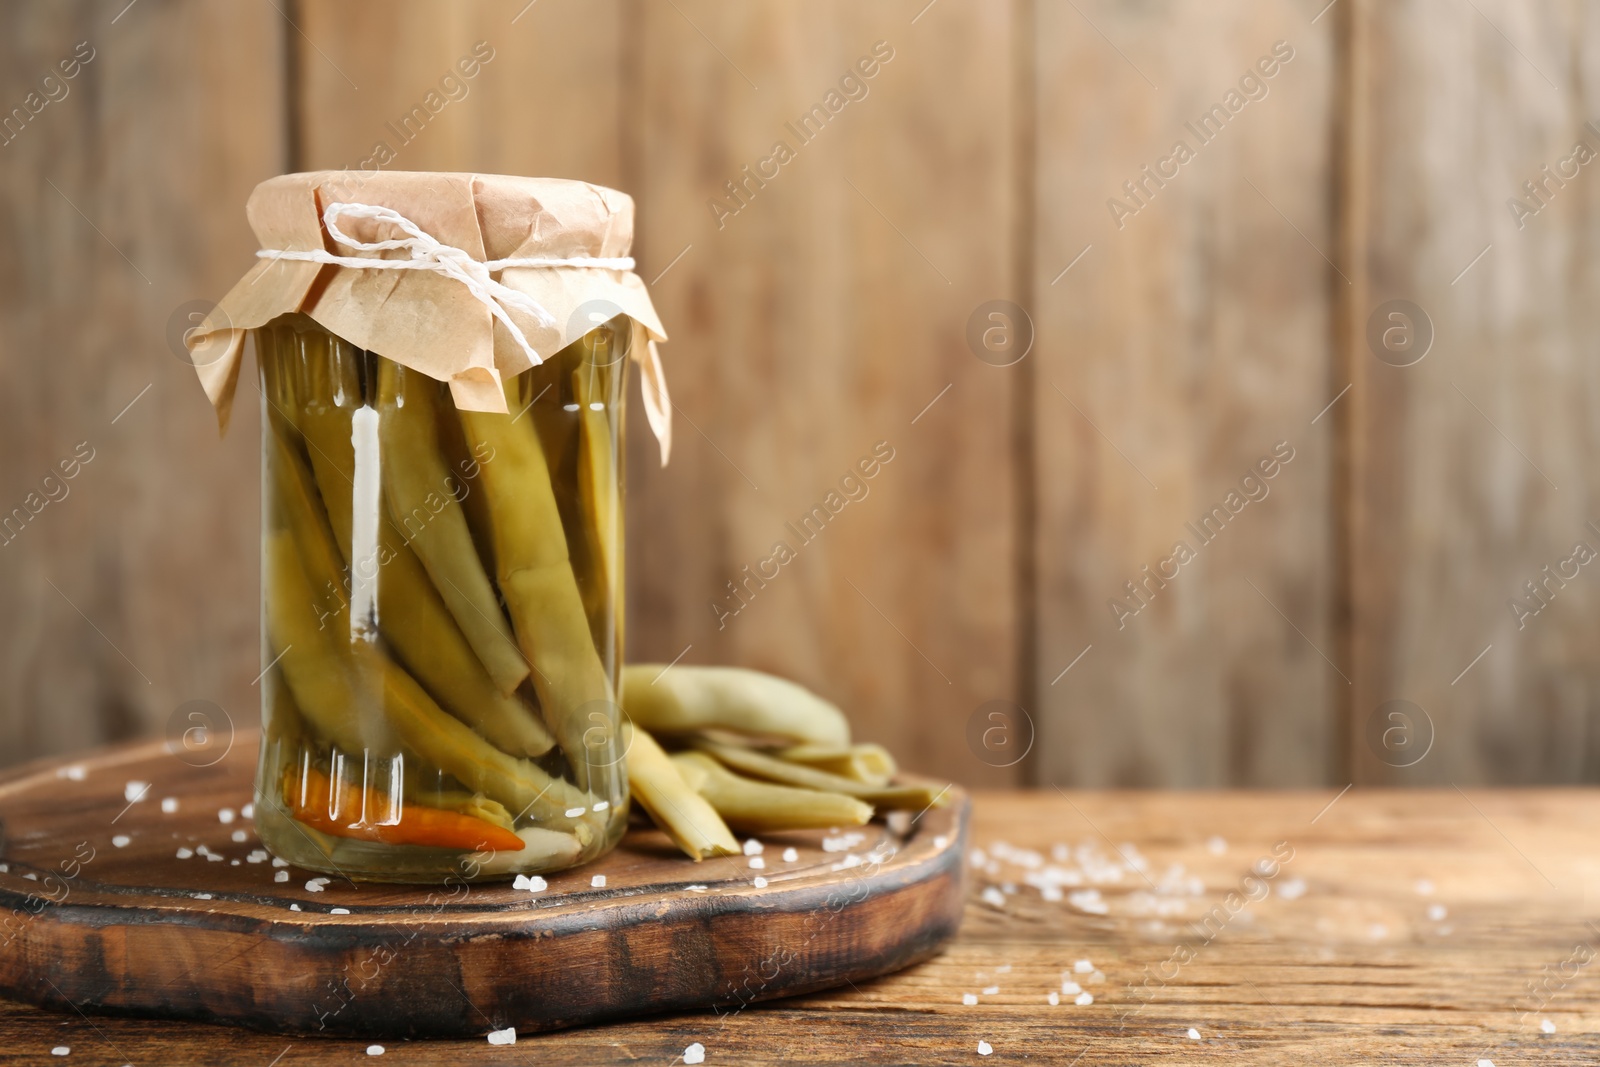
[1428, 927]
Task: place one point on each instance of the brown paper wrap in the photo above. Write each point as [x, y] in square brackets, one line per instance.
[427, 321]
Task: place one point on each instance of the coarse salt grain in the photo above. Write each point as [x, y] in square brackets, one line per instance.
[1548, 1027]
[1194, 1035]
[984, 1048]
[374, 1050]
[240, 836]
[695, 1053]
[226, 815]
[573, 813]
[169, 805]
[537, 884]
[294, 907]
[121, 841]
[185, 853]
[1070, 988]
[695, 888]
[1051, 894]
[257, 855]
[508, 1036]
[759, 882]
[338, 911]
[248, 811]
[993, 897]
[940, 841]
[757, 863]
[1084, 999]
[598, 881]
[1424, 887]
[1437, 912]
[60, 1050]
[1293, 889]
[74, 772]
[1054, 998]
[969, 999]
[753, 847]
[214, 857]
[202, 896]
[276, 862]
[603, 805]
[990, 991]
[1083, 967]
[233, 863]
[790, 855]
[1216, 845]
[281, 876]
[315, 885]
[1485, 1063]
[134, 792]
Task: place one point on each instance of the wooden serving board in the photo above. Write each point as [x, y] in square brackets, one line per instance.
[102, 911]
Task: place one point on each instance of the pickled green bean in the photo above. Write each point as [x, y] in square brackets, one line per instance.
[686, 817]
[752, 806]
[759, 765]
[685, 699]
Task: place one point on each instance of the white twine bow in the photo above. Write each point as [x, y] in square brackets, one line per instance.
[430, 254]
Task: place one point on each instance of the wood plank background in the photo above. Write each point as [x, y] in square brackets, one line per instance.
[1170, 354]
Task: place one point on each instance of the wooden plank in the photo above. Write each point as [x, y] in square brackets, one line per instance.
[825, 316]
[1345, 958]
[1472, 472]
[144, 923]
[122, 203]
[543, 100]
[1187, 344]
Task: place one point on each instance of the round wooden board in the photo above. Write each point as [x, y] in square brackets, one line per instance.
[99, 912]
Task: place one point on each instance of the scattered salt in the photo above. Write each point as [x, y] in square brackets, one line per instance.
[1424, 887]
[984, 1048]
[969, 999]
[121, 840]
[169, 805]
[233, 863]
[1084, 999]
[276, 862]
[757, 863]
[695, 1053]
[281, 876]
[1054, 998]
[226, 815]
[990, 991]
[940, 841]
[214, 857]
[1194, 1035]
[258, 855]
[508, 1036]
[1070, 988]
[1377, 931]
[537, 884]
[603, 805]
[315, 885]
[1216, 845]
[598, 881]
[374, 1050]
[202, 896]
[790, 855]
[240, 836]
[845, 842]
[338, 911]
[1437, 912]
[993, 897]
[294, 907]
[1293, 889]
[1548, 1027]
[1485, 1063]
[695, 888]
[248, 811]
[573, 813]
[74, 772]
[759, 882]
[1050, 893]
[185, 853]
[134, 792]
[1083, 967]
[60, 1050]
[1096, 978]
[753, 847]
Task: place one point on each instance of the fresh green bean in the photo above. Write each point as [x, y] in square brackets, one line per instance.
[752, 806]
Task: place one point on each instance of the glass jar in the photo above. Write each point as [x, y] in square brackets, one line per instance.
[442, 612]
